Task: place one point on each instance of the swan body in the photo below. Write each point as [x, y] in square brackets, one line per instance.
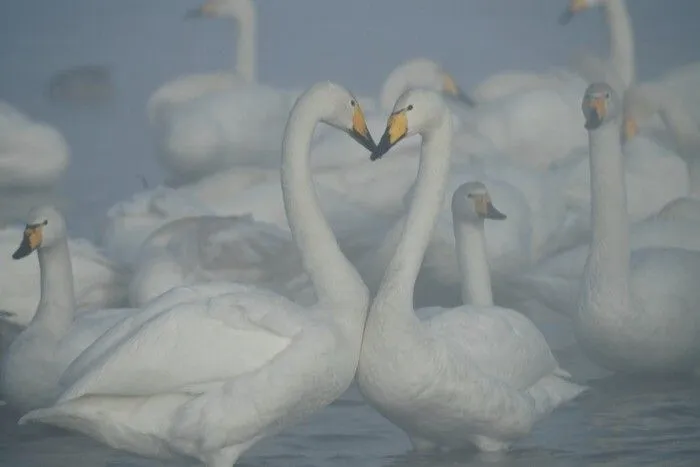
[637, 311]
[428, 376]
[33, 155]
[213, 248]
[99, 282]
[242, 364]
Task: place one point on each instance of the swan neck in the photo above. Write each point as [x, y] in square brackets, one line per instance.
[57, 303]
[396, 289]
[621, 40]
[246, 43]
[335, 280]
[607, 267]
[473, 263]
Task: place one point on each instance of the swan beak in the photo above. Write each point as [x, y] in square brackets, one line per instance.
[396, 129]
[31, 240]
[575, 6]
[359, 131]
[449, 87]
[486, 210]
[594, 111]
[206, 9]
[630, 129]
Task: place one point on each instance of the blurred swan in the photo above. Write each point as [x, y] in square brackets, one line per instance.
[189, 87]
[98, 282]
[33, 155]
[214, 248]
[647, 100]
[637, 311]
[263, 361]
[471, 375]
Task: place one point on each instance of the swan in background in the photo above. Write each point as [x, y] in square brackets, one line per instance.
[619, 68]
[474, 374]
[206, 123]
[213, 248]
[637, 311]
[99, 282]
[645, 101]
[684, 82]
[190, 87]
[33, 155]
[253, 355]
[36, 358]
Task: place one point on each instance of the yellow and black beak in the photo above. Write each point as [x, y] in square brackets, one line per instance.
[485, 208]
[575, 6]
[630, 129]
[359, 131]
[450, 88]
[595, 110]
[31, 240]
[396, 130]
[203, 11]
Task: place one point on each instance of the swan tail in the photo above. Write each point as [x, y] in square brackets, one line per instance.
[553, 390]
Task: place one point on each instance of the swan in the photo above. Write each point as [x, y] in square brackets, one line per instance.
[252, 355]
[34, 361]
[33, 155]
[99, 282]
[620, 67]
[190, 87]
[644, 101]
[216, 248]
[637, 311]
[474, 374]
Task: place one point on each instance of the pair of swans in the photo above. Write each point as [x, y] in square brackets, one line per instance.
[242, 363]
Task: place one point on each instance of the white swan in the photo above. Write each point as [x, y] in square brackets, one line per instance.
[215, 248]
[99, 282]
[36, 358]
[190, 87]
[252, 356]
[33, 155]
[473, 374]
[637, 312]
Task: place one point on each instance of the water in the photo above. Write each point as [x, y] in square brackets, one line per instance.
[620, 422]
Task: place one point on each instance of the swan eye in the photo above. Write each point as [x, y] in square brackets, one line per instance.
[607, 95]
[46, 221]
[410, 107]
[352, 102]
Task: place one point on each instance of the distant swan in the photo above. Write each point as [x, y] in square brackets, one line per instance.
[238, 364]
[475, 374]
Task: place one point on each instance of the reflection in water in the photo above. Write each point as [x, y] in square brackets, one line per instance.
[620, 422]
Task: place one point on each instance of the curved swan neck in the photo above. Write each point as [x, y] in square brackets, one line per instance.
[607, 268]
[246, 42]
[473, 262]
[57, 303]
[396, 289]
[621, 40]
[336, 281]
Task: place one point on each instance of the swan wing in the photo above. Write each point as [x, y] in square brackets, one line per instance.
[188, 344]
[503, 343]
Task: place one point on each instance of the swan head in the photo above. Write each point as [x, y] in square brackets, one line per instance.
[471, 203]
[222, 9]
[45, 227]
[421, 73]
[577, 6]
[341, 110]
[415, 112]
[600, 105]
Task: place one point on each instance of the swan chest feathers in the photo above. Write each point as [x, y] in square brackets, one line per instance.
[661, 330]
[225, 367]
